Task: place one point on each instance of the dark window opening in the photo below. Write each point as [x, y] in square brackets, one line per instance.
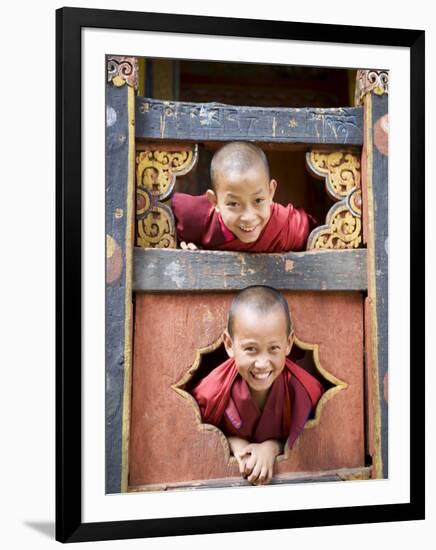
[296, 184]
[209, 361]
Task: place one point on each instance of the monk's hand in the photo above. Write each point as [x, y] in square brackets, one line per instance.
[188, 246]
[259, 465]
[237, 447]
[242, 458]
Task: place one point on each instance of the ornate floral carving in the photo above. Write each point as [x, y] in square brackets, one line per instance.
[368, 81]
[156, 173]
[342, 229]
[122, 70]
[341, 172]
[156, 227]
[340, 169]
[157, 169]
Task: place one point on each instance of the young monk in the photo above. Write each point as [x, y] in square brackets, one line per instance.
[238, 213]
[258, 397]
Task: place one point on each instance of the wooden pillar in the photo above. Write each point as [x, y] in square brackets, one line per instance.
[372, 92]
[120, 172]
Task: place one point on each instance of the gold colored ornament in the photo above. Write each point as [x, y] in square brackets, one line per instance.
[342, 230]
[156, 229]
[371, 81]
[340, 169]
[341, 173]
[157, 169]
[156, 174]
[122, 70]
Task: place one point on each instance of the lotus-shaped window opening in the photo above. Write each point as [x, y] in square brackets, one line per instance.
[305, 354]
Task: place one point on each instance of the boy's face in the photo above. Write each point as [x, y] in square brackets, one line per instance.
[259, 346]
[244, 201]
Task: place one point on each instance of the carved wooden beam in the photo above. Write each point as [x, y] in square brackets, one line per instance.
[341, 173]
[219, 122]
[203, 270]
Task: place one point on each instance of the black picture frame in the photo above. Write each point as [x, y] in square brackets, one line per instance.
[69, 525]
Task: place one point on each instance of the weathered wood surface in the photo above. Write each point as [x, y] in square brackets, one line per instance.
[167, 441]
[163, 270]
[378, 265]
[215, 121]
[342, 474]
[117, 151]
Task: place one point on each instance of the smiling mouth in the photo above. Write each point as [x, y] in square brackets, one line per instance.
[261, 376]
[248, 229]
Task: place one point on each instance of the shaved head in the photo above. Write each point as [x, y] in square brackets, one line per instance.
[237, 158]
[260, 299]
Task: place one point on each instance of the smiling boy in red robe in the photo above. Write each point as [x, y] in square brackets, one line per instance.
[238, 213]
[258, 397]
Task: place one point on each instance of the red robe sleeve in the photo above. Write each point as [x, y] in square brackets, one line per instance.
[198, 222]
[191, 213]
[224, 401]
[213, 392]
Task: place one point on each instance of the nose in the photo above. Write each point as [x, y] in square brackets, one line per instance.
[248, 215]
[261, 362]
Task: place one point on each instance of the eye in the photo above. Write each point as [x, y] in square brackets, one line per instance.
[232, 204]
[250, 349]
[275, 348]
[259, 201]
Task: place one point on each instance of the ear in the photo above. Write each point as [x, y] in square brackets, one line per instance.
[290, 342]
[272, 188]
[211, 197]
[228, 344]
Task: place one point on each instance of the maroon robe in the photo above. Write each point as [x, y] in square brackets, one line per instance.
[225, 401]
[198, 222]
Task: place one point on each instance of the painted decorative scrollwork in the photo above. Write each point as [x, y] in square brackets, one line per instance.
[343, 227]
[122, 70]
[340, 169]
[156, 172]
[368, 81]
[155, 226]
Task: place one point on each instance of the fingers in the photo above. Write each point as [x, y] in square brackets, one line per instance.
[241, 464]
[265, 476]
[243, 452]
[261, 476]
[250, 464]
[188, 246]
[246, 463]
[253, 477]
[242, 457]
[256, 469]
[252, 468]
